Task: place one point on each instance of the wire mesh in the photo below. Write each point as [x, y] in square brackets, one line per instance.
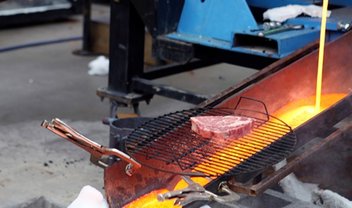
[167, 143]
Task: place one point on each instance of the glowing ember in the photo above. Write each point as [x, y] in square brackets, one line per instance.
[300, 111]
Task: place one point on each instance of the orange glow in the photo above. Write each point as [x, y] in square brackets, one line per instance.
[150, 200]
[200, 180]
[300, 111]
[294, 114]
[240, 149]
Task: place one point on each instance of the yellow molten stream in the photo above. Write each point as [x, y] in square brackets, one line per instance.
[150, 200]
[321, 56]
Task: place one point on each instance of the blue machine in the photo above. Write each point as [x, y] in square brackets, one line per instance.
[231, 25]
[192, 34]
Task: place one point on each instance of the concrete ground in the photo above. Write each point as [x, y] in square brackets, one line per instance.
[48, 81]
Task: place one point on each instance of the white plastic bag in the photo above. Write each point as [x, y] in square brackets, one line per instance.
[99, 66]
[89, 197]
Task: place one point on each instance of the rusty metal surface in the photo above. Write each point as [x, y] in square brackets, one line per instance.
[121, 189]
[262, 74]
[335, 172]
[297, 80]
[275, 177]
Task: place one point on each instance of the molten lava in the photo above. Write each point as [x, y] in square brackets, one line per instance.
[300, 111]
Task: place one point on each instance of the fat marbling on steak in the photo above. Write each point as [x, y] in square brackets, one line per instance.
[222, 127]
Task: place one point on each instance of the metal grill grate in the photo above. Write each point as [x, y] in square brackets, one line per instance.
[167, 143]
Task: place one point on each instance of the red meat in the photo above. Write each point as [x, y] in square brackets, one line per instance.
[222, 127]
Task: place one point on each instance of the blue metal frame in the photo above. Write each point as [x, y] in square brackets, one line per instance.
[215, 20]
[214, 24]
[277, 3]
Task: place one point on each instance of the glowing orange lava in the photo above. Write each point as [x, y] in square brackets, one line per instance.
[300, 111]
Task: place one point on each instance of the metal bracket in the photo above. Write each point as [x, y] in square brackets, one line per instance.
[99, 153]
[195, 192]
[144, 85]
[124, 99]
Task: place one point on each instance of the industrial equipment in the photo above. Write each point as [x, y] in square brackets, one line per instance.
[25, 11]
[242, 167]
[285, 81]
[177, 168]
[189, 35]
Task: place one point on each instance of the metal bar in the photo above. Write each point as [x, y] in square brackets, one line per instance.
[276, 66]
[147, 86]
[86, 44]
[175, 68]
[275, 177]
[232, 57]
[122, 98]
[126, 45]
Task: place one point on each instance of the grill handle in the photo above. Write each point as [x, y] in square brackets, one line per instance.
[254, 100]
[97, 151]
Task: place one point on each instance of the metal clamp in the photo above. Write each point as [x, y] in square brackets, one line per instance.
[99, 153]
[195, 192]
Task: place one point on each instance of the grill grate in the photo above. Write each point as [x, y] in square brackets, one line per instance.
[167, 143]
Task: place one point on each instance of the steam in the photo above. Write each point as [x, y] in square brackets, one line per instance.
[310, 192]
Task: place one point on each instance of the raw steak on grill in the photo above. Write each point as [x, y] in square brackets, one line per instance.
[222, 127]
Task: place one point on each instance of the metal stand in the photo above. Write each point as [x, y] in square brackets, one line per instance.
[128, 83]
[86, 47]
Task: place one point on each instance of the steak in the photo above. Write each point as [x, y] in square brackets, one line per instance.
[222, 127]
